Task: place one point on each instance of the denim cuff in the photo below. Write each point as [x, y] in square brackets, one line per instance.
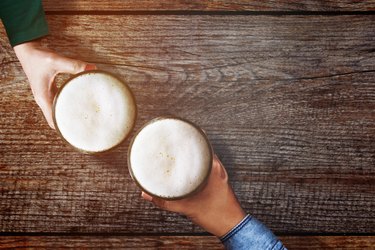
[251, 234]
[234, 230]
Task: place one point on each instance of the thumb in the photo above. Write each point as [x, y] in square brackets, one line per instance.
[172, 206]
[67, 65]
[219, 169]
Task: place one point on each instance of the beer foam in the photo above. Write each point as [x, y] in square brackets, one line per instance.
[170, 158]
[95, 111]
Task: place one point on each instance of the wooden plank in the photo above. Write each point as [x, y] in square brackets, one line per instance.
[176, 242]
[111, 242]
[209, 5]
[329, 242]
[288, 103]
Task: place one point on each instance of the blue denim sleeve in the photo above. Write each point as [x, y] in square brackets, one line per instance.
[251, 234]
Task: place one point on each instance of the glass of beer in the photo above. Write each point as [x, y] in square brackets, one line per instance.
[94, 111]
[170, 158]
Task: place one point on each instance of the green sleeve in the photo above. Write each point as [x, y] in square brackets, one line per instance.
[24, 20]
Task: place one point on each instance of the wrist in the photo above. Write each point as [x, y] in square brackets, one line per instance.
[236, 228]
[229, 221]
[24, 50]
[28, 45]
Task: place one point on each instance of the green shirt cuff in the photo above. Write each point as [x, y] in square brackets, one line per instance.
[24, 20]
[30, 34]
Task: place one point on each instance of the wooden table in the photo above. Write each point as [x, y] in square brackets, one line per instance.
[284, 89]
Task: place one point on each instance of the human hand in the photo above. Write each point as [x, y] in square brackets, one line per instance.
[41, 67]
[215, 208]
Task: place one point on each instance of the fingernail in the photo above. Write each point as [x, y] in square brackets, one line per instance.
[146, 196]
[90, 67]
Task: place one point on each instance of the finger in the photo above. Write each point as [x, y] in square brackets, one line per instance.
[44, 93]
[49, 119]
[219, 167]
[147, 197]
[173, 206]
[158, 202]
[90, 67]
[46, 107]
[48, 102]
[67, 65]
[163, 204]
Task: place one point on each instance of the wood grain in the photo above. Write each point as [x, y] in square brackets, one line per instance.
[328, 242]
[111, 242]
[288, 103]
[209, 5]
[176, 242]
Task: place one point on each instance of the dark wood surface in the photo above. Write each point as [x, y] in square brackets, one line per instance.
[210, 5]
[287, 101]
[176, 242]
[112, 242]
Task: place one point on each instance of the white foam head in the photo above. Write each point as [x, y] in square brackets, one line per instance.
[94, 111]
[170, 158]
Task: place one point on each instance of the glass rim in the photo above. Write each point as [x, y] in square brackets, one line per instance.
[65, 83]
[207, 174]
